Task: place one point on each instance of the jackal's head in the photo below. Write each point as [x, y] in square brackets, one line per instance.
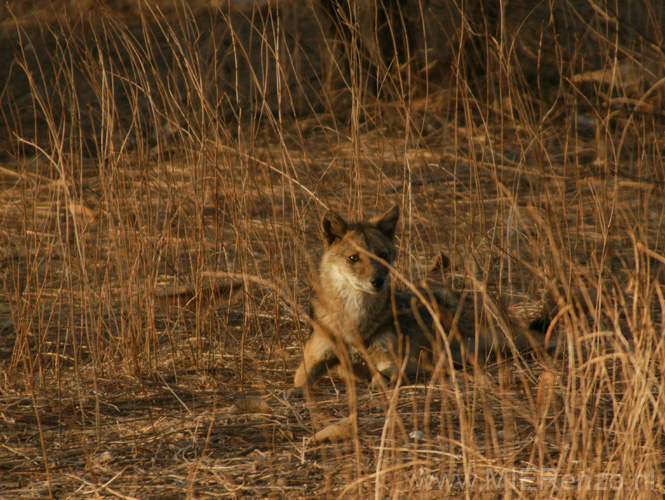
[356, 253]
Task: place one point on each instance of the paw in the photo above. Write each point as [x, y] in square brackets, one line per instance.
[294, 393]
[380, 383]
[385, 377]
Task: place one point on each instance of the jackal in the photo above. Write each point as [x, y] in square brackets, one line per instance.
[360, 320]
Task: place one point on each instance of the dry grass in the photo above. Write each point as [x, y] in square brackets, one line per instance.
[164, 172]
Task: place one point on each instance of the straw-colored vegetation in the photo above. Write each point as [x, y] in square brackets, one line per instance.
[164, 167]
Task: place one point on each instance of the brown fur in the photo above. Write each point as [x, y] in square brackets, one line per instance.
[359, 321]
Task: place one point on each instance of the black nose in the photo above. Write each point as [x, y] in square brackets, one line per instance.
[377, 282]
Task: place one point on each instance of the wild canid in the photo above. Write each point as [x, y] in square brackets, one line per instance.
[360, 322]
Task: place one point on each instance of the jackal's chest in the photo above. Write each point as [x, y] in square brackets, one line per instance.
[354, 319]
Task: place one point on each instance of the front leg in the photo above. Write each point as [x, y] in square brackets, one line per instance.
[319, 356]
[381, 351]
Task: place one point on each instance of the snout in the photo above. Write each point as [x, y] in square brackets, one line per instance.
[378, 282]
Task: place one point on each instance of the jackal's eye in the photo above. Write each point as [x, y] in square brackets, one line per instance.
[354, 258]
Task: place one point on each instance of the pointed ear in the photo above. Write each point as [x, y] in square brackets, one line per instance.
[334, 227]
[387, 223]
